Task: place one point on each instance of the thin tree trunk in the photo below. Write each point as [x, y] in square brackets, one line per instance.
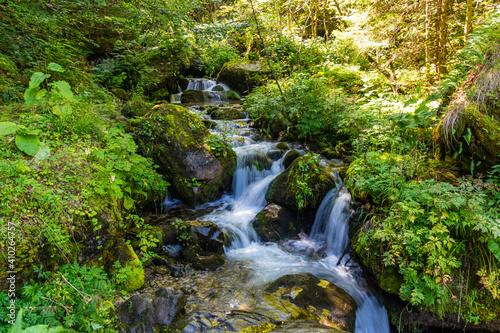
[427, 37]
[468, 20]
[437, 34]
[338, 7]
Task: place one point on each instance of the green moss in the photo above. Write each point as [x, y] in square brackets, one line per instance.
[120, 94]
[282, 145]
[132, 267]
[231, 95]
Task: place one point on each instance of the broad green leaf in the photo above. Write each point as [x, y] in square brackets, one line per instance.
[37, 78]
[43, 153]
[128, 203]
[8, 127]
[30, 95]
[46, 329]
[64, 89]
[29, 144]
[63, 110]
[494, 246]
[55, 67]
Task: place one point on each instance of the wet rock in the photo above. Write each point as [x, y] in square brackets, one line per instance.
[314, 183]
[218, 88]
[238, 321]
[193, 96]
[274, 154]
[206, 235]
[282, 145]
[243, 77]
[198, 321]
[303, 326]
[177, 141]
[183, 82]
[144, 312]
[276, 222]
[315, 295]
[228, 114]
[291, 156]
[169, 234]
[202, 259]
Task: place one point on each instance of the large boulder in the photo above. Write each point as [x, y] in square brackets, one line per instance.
[193, 96]
[230, 113]
[199, 166]
[276, 222]
[145, 312]
[302, 186]
[243, 77]
[316, 295]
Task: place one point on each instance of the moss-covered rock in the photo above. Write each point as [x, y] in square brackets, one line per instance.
[204, 234]
[161, 95]
[130, 263]
[193, 96]
[302, 186]
[198, 166]
[232, 96]
[120, 94]
[209, 123]
[315, 295]
[136, 107]
[227, 114]
[244, 76]
[282, 145]
[276, 222]
[291, 156]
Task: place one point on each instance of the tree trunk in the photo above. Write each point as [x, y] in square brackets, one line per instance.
[468, 20]
[444, 8]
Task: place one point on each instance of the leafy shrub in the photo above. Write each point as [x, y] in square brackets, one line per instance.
[435, 233]
[73, 297]
[307, 109]
[215, 55]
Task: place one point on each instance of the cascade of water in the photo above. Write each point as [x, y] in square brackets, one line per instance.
[270, 261]
[201, 84]
[330, 224]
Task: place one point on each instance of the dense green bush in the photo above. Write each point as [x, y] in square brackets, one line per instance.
[435, 233]
[307, 110]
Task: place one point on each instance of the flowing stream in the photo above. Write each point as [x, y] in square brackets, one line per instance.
[256, 168]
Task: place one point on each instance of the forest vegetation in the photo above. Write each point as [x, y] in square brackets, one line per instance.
[406, 93]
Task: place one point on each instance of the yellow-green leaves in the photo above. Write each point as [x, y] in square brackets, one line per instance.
[34, 93]
[8, 127]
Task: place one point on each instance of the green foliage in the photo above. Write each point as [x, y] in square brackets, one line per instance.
[307, 110]
[183, 234]
[74, 297]
[307, 168]
[215, 55]
[427, 229]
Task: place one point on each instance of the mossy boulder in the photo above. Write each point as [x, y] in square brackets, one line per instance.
[218, 88]
[282, 145]
[130, 263]
[276, 222]
[243, 77]
[232, 96]
[204, 234]
[228, 114]
[316, 295]
[193, 96]
[120, 94]
[302, 186]
[198, 166]
[136, 107]
[291, 156]
[209, 123]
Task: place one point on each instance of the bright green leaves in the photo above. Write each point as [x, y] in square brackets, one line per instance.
[8, 127]
[64, 89]
[37, 78]
[55, 67]
[34, 93]
[494, 247]
[28, 143]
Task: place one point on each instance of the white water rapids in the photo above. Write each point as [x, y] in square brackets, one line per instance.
[270, 261]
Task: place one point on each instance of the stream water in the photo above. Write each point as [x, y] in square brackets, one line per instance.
[257, 166]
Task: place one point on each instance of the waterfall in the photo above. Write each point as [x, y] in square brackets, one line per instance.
[331, 222]
[267, 262]
[205, 86]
